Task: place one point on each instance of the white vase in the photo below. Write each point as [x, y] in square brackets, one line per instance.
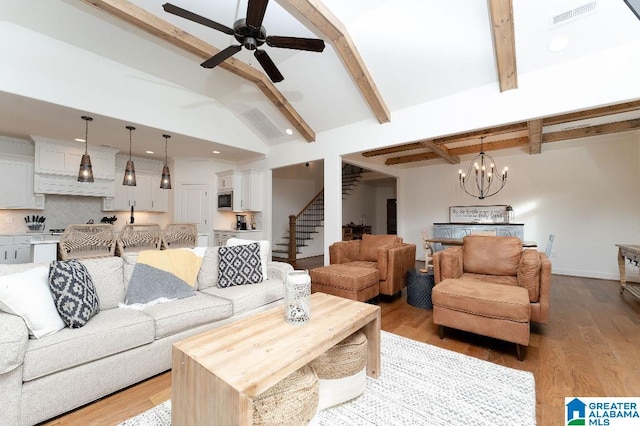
[297, 297]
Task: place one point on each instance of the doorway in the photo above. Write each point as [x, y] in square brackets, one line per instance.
[392, 218]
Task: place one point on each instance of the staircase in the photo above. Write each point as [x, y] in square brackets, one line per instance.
[309, 223]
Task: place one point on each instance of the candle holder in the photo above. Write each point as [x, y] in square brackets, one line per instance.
[297, 297]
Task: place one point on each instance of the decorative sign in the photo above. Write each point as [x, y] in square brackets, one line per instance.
[477, 214]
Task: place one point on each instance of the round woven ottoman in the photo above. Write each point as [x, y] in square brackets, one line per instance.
[341, 371]
[291, 401]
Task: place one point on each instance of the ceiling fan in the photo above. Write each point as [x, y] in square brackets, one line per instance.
[251, 34]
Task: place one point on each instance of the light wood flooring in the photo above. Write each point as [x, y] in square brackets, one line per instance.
[588, 348]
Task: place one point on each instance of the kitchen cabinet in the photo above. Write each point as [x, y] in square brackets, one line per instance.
[56, 168]
[15, 249]
[145, 196]
[251, 190]
[229, 180]
[16, 191]
[221, 236]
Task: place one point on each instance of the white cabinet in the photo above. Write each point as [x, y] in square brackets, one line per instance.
[220, 237]
[16, 184]
[56, 166]
[228, 180]
[145, 196]
[15, 249]
[251, 190]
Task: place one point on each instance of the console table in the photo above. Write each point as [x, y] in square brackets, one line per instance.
[460, 230]
[216, 374]
[631, 252]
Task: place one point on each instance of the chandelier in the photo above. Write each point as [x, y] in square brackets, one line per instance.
[481, 180]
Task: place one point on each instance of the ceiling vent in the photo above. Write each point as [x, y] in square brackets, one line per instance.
[573, 14]
[262, 123]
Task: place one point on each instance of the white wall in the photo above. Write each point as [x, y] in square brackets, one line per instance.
[585, 192]
[289, 196]
[360, 201]
[383, 193]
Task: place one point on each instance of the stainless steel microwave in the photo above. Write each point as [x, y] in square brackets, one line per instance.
[225, 200]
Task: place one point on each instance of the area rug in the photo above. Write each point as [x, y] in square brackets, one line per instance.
[421, 384]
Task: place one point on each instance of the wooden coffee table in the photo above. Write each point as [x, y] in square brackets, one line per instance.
[217, 374]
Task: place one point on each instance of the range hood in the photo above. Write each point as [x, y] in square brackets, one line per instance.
[56, 168]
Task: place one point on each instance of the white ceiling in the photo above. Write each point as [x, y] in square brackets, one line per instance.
[416, 51]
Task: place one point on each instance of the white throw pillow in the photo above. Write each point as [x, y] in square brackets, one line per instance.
[28, 295]
[264, 250]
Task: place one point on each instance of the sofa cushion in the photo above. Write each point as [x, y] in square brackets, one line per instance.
[239, 265]
[371, 243]
[494, 279]
[74, 294]
[208, 275]
[111, 331]
[491, 255]
[529, 273]
[248, 297]
[184, 314]
[27, 294]
[483, 299]
[107, 276]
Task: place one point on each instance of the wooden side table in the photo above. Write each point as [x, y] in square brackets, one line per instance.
[631, 252]
[419, 287]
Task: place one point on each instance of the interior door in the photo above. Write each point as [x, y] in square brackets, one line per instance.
[392, 220]
[194, 205]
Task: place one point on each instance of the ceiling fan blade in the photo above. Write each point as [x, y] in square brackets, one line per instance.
[221, 56]
[255, 12]
[311, 44]
[178, 11]
[268, 65]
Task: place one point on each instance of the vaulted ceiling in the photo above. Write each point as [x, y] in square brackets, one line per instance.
[381, 56]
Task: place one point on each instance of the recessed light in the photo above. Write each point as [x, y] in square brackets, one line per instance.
[558, 44]
[79, 140]
[216, 152]
[149, 152]
[288, 131]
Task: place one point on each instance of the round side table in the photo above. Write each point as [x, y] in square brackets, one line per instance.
[419, 287]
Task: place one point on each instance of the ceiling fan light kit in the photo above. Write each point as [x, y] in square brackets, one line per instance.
[250, 33]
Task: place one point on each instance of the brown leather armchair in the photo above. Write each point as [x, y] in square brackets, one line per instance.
[388, 253]
[499, 260]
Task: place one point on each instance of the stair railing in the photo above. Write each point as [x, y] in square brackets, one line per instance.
[293, 234]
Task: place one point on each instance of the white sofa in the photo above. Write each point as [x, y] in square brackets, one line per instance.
[43, 378]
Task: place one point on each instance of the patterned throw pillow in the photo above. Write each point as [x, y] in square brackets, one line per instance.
[74, 294]
[238, 265]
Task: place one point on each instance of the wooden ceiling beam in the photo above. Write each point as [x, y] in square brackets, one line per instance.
[392, 150]
[504, 43]
[154, 25]
[484, 133]
[593, 113]
[601, 129]
[469, 149]
[535, 136]
[441, 151]
[328, 24]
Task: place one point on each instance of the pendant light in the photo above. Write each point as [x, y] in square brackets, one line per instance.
[481, 175]
[165, 181]
[85, 174]
[129, 171]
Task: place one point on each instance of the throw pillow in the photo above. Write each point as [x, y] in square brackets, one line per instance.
[27, 294]
[238, 265]
[150, 285]
[74, 294]
[264, 251]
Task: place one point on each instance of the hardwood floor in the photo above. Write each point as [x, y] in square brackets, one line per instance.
[588, 348]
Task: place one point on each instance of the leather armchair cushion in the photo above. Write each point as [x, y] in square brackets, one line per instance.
[491, 256]
[529, 273]
[371, 243]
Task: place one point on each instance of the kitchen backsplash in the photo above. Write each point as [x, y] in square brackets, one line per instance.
[63, 210]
